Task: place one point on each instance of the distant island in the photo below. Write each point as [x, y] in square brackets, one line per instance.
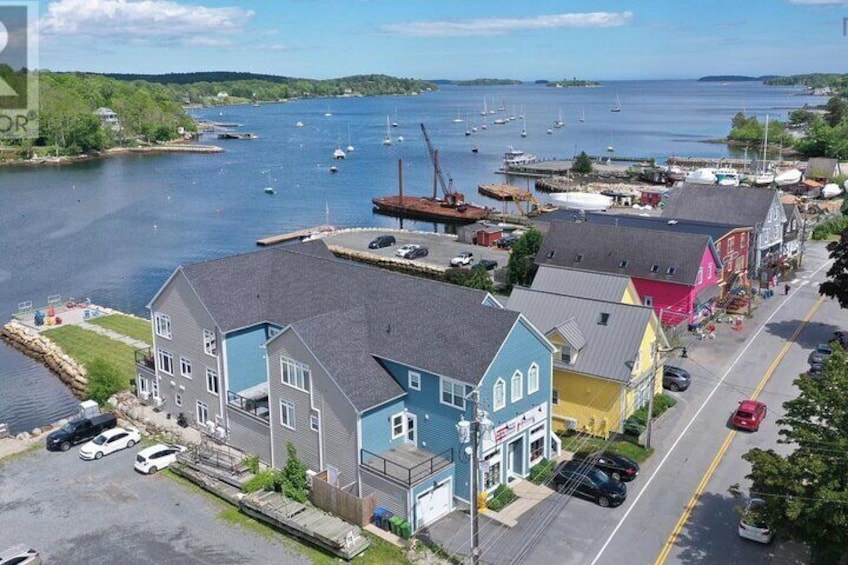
[573, 83]
[479, 82]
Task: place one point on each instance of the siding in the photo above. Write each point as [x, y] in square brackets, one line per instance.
[377, 427]
[246, 358]
[249, 434]
[188, 320]
[389, 495]
[588, 400]
[424, 487]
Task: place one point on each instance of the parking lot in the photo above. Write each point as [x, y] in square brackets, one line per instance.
[76, 511]
[442, 248]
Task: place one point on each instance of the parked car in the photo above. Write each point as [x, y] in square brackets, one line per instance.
[109, 442]
[404, 249]
[820, 354]
[815, 371]
[463, 259]
[675, 378]
[415, 253]
[20, 555]
[80, 430]
[617, 466]
[588, 482]
[382, 241]
[749, 415]
[488, 264]
[506, 241]
[156, 457]
[751, 524]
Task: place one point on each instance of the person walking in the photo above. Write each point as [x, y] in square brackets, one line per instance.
[786, 289]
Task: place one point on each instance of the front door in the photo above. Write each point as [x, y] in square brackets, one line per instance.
[155, 387]
[515, 458]
[142, 385]
[411, 429]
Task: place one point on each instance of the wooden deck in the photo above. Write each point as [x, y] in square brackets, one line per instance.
[291, 236]
[406, 464]
[503, 192]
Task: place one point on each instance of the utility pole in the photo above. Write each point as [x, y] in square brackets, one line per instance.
[475, 511]
[657, 351]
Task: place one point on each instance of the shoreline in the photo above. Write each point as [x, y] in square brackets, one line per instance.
[111, 152]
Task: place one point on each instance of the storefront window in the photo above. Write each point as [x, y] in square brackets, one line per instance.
[492, 477]
[537, 449]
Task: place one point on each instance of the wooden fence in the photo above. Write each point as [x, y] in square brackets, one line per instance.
[343, 504]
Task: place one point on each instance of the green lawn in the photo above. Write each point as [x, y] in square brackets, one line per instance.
[85, 346]
[583, 442]
[126, 325]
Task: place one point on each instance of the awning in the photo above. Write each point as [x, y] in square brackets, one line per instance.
[706, 295]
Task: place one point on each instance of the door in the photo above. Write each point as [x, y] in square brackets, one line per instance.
[412, 429]
[155, 391]
[433, 504]
[142, 385]
[515, 458]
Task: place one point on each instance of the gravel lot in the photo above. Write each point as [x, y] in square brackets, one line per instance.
[91, 512]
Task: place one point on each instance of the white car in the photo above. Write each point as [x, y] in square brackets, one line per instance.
[404, 249]
[109, 442]
[463, 259]
[157, 457]
[752, 526]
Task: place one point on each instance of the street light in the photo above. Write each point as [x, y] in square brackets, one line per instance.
[657, 351]
[470, 432]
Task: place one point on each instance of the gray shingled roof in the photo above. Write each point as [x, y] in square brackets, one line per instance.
[715, 230]
[584, 284]
[610, 349]
[436, 327]
[570, 332]
[735, 205]
[604, 249]
[340, 340]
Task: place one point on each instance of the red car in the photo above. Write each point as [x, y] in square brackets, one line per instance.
[749, 415]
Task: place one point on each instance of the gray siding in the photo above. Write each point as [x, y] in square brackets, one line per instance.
[188, 320]
[249, 434]
[389, 494]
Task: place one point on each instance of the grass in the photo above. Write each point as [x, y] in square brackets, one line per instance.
[585, 442]
[127, 325]
[84, 346]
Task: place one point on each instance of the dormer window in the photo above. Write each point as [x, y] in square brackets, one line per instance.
[568, 355]
[579, 258]
[603, 318]
[551, 254]
[655, 268]
[622, 264]
[671, 270]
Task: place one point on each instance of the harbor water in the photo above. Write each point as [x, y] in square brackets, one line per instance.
[113, 230]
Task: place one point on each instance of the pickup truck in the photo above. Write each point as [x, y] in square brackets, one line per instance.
[80, 430]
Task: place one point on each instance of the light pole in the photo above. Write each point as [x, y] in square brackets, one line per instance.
[657, 351]
[470, 432]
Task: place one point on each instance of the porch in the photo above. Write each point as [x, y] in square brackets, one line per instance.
[253, 400]
[406, 463]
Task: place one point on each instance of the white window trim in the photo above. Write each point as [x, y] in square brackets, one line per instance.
[210, 343]
[533, 383]
[315, 422]
[402, 425]
[516, 393]
[300, 370]
[700, 278]
[442, 383]
[495, 406]
[162, 324]
[197, 406]
[183, 362]
[160, 354]
[414, 377]
[283, 404]
[178, 398]
[216, 380]
[649, 301]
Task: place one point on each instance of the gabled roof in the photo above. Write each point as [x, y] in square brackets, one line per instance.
[610, 348]
[734, 205]
[822, 168]
[570, 332]
[715, 230]
[645, 254]
[583, 284]
[440, 328]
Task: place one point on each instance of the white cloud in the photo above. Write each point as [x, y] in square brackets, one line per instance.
[501, 26]
[140, 19]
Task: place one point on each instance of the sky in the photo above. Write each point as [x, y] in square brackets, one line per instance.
[452, 39]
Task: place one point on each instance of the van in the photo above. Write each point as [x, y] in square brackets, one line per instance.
[382, 241]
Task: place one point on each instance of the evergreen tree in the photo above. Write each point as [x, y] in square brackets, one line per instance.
[519, 270]
[582, 164]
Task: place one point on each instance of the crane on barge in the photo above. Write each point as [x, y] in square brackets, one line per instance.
[452, 198]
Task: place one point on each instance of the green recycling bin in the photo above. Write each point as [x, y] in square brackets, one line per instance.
[405, 530]
[395, 523]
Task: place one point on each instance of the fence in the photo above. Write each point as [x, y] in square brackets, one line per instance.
[343, 504]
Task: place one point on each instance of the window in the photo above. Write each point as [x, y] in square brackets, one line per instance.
[622, 264]
[517, 387]
[499, 395]
[603, 318]
[178, 399]
[671, 270]
[533, 379]
[649, 301]
[202, 413]
[565, 354]
[272, 331]
[212, 381]
[397, 425]
[163, 325]
[551, 254]
[414, 380]
[554, 396]
[166, 362]
[314, 422]
[294, 373]
[709, 271]
[700, 278]
[492, 477]
[287, 414]
[537, 448]
[655, 268]
[210, 346]
[453, 394]
[185, 367]
[730, 244]
[579, 258]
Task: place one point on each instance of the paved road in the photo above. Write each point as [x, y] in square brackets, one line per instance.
[103, 512]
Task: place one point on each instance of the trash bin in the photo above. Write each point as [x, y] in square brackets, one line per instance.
[387, 521]
[379, 516]
[405, 530]
[396, 521]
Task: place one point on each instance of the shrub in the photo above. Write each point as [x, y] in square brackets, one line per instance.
[636, 423]
[502, 496]
[104, 380]
[293, 481]
[830, 227]
[252, 463]
[582, 164]
[263, 480]
[542, 471]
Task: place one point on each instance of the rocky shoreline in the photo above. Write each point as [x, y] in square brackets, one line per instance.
[146, 150]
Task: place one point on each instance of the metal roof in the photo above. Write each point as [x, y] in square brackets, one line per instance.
[735, 205]
[584, 284]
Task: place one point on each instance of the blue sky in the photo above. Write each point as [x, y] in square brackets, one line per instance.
[537, 39]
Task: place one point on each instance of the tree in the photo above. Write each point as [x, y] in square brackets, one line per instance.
[476, 277]
[836, 109]
[806, 492]
[104, 380]
[519, 270]
[836, 285]
[582, 164]
[294, 485]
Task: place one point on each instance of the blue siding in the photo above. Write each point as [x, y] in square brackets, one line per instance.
[377, 427]
[246, 358]
[425, 486]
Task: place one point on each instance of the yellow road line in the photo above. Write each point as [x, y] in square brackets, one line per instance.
[690, 506]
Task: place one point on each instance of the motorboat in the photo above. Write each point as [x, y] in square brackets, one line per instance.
[831, 190]
[299, 125]
[334, 169]
[675, 173]
[516, 157]
[585, 201]
[727, 176]
[701, 176]
[338, 153]
[787, 177]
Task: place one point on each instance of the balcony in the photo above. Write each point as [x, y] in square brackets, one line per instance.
[144, 358]
[253, 400]
[406, 463]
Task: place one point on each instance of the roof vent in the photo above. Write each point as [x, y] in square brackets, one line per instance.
[603, 318]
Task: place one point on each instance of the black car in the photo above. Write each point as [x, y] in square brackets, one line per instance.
[589, 482]
[841, 338]
[507, 241]
[675, 378]
[416, 252]
[815, 371]
[488, 264]
[618, 467]
[80, 430]
[382, 241]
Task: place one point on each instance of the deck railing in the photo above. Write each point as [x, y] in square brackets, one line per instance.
[407, 475]
[254, 407]
[144, 358]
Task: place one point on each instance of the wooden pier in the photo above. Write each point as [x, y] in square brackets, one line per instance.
[504, 192]
[298, 235]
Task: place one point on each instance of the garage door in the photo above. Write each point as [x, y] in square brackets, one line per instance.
[433, 504]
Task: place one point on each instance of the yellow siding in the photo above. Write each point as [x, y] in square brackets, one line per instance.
[594, 403]
[630, 295]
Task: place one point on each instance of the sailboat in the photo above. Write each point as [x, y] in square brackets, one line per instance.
[350, 146]
[559, 123]
[524, 129]
[388, 138]
[268, 188]
[582, 115]
[764, 176]
[458, 119]
[617, 107]
[485, 109]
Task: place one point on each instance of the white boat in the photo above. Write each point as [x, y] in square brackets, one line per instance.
[701, 176]
[787, 177]
[350, 146]
[499, 122]
[586, 201]
[299, 125]
[485, 109]
[764, 178]
[559, 123]
[582, 117]
[524, 128]
[831, 190]
[727, 176]
[484, 126]
[388, 138]
[400, 139]
[515, 157]
[617, 107]
[550, 131]
[458, 119]
[338, 153]
[334, 169]
[270, 190]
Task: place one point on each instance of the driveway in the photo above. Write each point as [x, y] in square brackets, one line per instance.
[91, 512]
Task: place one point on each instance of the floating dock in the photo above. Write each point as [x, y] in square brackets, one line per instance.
[298, 235]
[233, 135]
[504, 192]
[421, 208]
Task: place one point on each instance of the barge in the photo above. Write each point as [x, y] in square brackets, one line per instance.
[424, 208]
[503, 192]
